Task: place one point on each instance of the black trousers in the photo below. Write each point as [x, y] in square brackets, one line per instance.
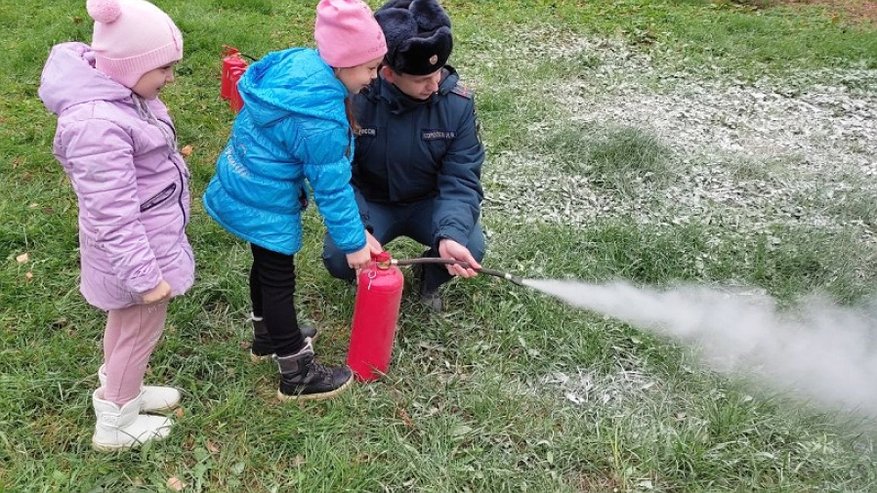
[390, 221]
[272, 291]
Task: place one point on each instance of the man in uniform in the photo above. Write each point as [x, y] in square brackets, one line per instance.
[418, 156]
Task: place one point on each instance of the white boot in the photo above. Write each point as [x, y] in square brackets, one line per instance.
[121, 428]
[155, 399]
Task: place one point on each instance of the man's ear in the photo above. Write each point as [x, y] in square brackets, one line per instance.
[388, 74]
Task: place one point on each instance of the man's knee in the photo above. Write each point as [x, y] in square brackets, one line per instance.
[336, 261]
[476, 243]
[477, 246]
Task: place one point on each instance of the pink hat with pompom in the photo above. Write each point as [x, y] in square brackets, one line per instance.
[347, 33]
[132, 37]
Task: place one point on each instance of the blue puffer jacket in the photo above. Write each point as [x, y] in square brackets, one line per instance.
[293, 126]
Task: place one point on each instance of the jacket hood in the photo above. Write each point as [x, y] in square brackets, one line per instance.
[294, 82]
[399, 102]
[69, 78]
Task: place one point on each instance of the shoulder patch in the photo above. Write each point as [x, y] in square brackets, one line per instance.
[461, 90]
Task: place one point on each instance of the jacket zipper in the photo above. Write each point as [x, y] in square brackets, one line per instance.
[179, 172]
[182, 186]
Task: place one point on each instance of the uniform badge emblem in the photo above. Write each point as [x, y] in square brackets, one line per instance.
[433, 59]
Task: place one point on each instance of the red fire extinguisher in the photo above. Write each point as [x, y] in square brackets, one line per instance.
[233, 67]
[378, 295]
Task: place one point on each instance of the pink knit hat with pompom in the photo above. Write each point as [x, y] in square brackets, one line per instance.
[347, 33]
[132, 37]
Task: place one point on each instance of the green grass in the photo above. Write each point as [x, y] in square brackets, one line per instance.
[615, 159]
[718, 35]
[469, 404]
[855, 202]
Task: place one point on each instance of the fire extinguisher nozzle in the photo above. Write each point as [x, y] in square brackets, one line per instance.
[515, 279]
[505, 275]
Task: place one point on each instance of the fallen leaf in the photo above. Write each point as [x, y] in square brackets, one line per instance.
[186, 151]
[405, 417]
[212, 447]
[23, 258]
[175, 484]
[33, 205]
[28, 275]
[178, 412]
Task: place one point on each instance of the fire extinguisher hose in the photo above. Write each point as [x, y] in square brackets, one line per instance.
[448, 261]
[231, 50]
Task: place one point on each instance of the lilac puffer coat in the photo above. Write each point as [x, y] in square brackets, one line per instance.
[131, 182]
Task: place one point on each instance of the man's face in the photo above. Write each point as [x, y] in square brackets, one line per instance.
[416, 86]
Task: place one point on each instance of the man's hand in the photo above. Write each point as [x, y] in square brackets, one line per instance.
[452, 250]
[160, 293]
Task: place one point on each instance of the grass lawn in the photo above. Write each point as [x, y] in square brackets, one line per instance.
[477, 399]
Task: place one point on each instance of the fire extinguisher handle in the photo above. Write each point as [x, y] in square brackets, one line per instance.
[383, 256]
[228, 50]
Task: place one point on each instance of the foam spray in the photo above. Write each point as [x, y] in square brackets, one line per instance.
[815, 348]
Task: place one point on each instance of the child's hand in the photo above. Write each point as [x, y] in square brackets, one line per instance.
[359, 259]
[373, 243]
[162, 292]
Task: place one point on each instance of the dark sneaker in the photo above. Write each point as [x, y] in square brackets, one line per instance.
[432, 300]
[303, 378]
[262, 348]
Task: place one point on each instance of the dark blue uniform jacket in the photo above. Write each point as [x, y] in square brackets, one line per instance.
[410, 150]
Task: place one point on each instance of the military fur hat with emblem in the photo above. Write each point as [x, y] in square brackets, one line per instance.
[418, 34]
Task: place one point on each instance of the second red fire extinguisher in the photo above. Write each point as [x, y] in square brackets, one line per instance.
[233, 67]
[378, 295]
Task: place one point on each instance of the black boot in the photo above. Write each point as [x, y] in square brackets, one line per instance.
[262, 348]
[303, 378]
[430, 298]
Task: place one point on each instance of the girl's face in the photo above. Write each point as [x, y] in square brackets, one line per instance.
[358, 77]
[151, 82]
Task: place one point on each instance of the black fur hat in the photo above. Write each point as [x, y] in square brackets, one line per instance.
[418, 35]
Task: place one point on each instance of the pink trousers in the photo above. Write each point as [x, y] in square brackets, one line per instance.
[129, 339]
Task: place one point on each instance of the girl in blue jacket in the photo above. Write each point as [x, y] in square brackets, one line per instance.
[296, 124]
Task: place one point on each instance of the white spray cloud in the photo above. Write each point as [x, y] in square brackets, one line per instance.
[816, 348]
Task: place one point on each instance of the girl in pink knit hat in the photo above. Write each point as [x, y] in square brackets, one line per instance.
[117, 144]
[296, 128]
